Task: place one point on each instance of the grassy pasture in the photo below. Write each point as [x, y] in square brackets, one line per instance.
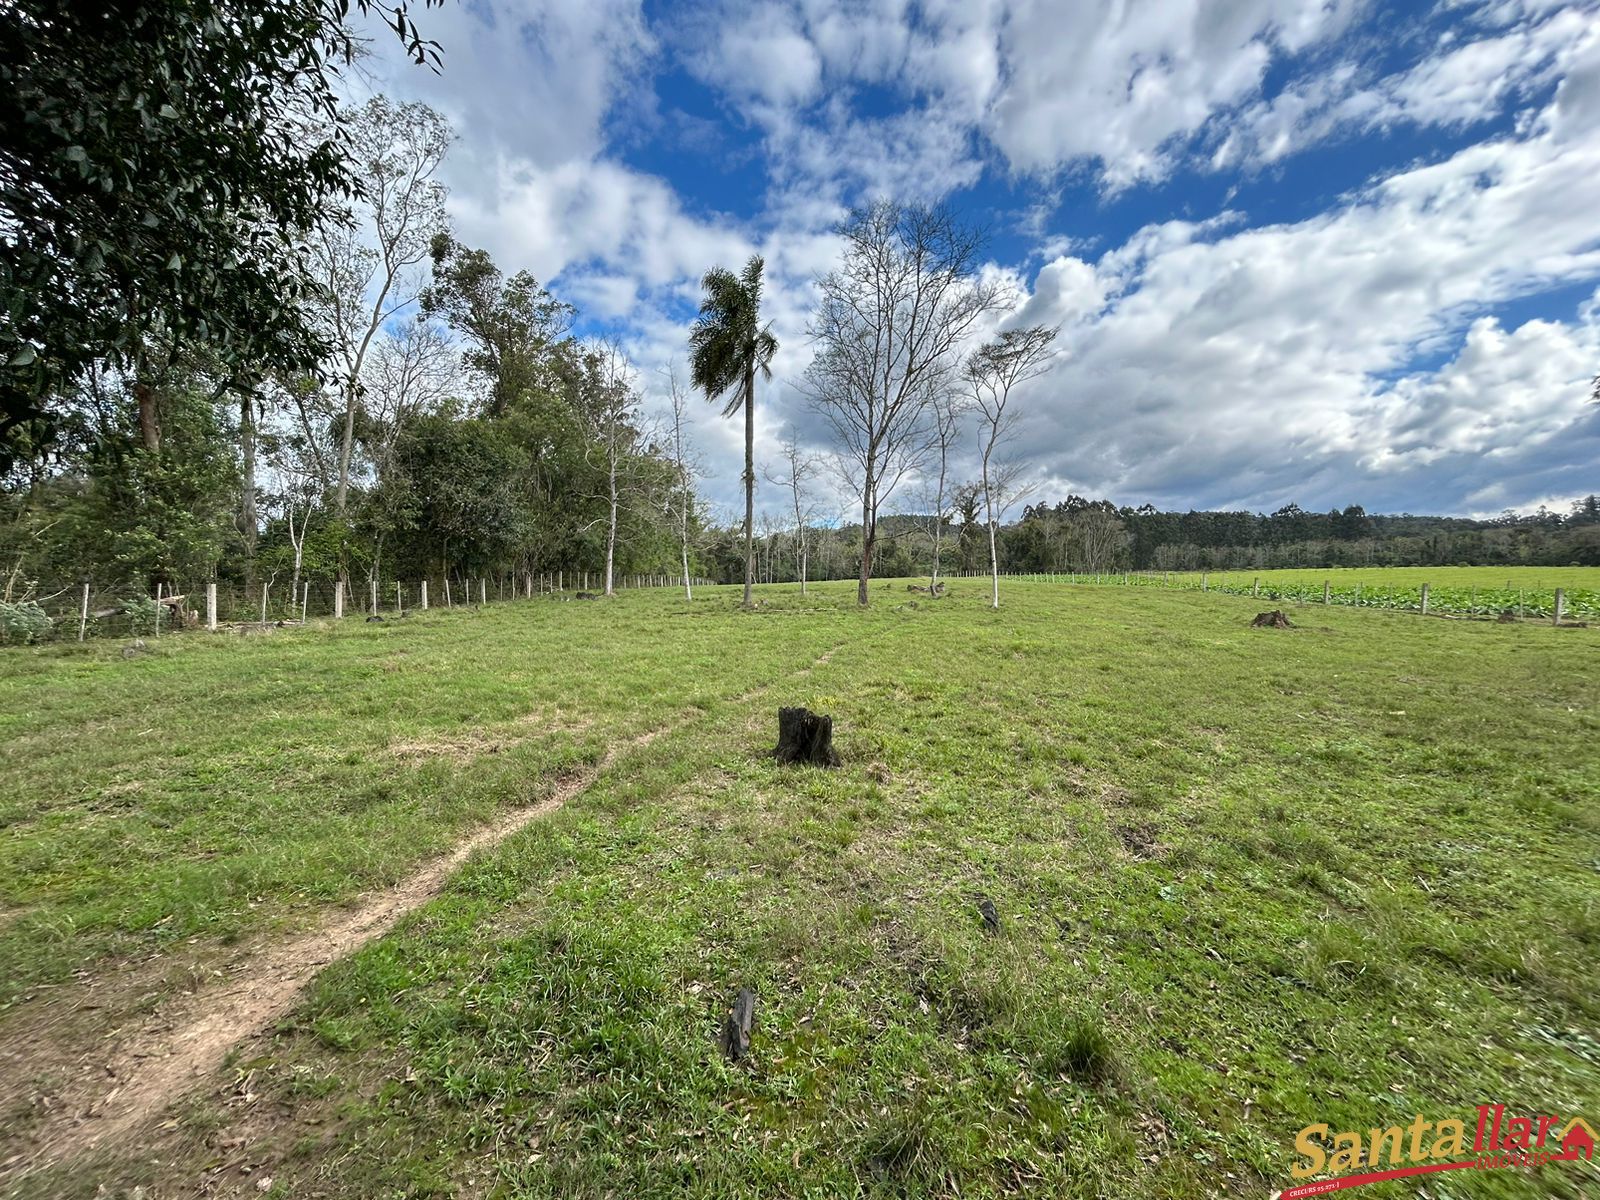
[1248, 880]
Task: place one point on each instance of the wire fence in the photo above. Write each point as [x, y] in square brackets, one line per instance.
[78, 612]
[1556, 604]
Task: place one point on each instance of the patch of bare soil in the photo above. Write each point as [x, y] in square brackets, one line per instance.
[1140, 841]
[465, 746]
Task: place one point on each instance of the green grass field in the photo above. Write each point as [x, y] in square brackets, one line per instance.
[1248, 880]
[1526, 592]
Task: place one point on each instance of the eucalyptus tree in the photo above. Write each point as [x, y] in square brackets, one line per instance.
[369, 263]
[728, 347]
[679, 503]
[889, 327]
[610, 413]
[990, 375]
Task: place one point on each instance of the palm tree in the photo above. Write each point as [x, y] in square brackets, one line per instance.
[727, 346]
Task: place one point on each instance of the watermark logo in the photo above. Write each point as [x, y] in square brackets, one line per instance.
[1351, 1158]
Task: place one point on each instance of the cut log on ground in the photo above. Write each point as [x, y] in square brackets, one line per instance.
[990, 914]
[735, 1036]
[805, 737]
[1271, 620]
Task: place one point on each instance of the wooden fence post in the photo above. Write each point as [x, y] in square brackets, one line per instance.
[263, 606]
[1424, 599]
[1255, 588]
[211, 606]
[1327, 592]
[1561, 604]
[338, 599]
[424, 597]
[83, 614]
[305, 600]
[399, 598]
[483, 591]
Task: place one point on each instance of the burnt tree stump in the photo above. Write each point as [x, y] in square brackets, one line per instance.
[805, 737]
[735, 1036]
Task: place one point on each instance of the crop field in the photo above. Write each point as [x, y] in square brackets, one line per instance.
[1526, 592]
[455, 904]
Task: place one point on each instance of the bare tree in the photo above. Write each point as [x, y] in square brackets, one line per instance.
[369, 263]
[945, 416]
[611, 411]
[794, 471]
[991, 373]
[679, 504]
[1100, 536]
[888, 327]
[413, 368]
[770, 526]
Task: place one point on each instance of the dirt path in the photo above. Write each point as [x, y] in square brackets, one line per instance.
[112, 1092]
[189, 1036]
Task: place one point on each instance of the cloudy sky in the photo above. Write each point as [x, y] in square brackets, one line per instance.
[1314, 250]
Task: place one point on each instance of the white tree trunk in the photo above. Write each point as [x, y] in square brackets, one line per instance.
[611, 531]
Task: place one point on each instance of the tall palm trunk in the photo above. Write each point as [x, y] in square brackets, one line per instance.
[749, 479]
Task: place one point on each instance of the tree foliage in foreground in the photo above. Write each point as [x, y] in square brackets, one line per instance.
[163, 163]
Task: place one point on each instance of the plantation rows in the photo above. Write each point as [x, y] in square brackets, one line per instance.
[1578, 604]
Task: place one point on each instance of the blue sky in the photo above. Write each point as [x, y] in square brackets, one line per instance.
[1309, 250]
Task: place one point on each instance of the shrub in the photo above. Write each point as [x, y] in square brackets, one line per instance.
[22, 621]
[141, 612]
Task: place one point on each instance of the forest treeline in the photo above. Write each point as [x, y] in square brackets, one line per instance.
[1078, 535]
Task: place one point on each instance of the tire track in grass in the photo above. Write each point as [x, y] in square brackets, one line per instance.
[189, 1037]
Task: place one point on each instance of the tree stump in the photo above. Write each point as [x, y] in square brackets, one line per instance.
[735, 1037]
[805, 737]
[1271, 620]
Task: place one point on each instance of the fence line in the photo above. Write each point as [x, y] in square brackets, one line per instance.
[83, 610]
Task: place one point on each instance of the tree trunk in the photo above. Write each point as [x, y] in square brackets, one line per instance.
[869, 538]
[994, 566]
[749, 480]
[248, 528]
[346, 448]
[611, 530]
[688, 590]
[149, 421]
[994, 556]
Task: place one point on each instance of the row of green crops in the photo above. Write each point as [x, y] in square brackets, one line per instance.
[1579, 604]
